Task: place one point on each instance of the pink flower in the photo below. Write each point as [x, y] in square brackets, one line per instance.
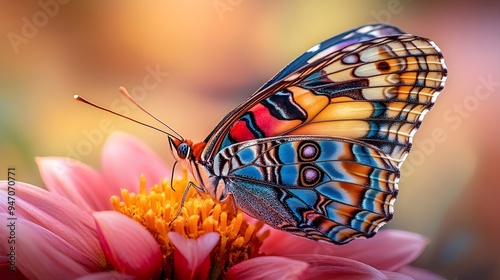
[69, 232]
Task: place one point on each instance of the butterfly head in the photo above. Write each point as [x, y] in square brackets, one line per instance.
[183, 149]
[189, 154]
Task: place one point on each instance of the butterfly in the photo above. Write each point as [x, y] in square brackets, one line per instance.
[317, 150]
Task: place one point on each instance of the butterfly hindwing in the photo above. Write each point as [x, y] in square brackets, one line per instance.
[322, 188]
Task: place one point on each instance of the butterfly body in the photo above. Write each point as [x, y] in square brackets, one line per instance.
[316, 151]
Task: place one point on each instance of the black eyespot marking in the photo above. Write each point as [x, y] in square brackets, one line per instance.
[383, 66]
[310, 175]
[308, 151]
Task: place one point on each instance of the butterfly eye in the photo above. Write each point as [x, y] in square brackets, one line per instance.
[183, 150]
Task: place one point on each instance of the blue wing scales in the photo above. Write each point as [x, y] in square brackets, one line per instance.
[322, 188]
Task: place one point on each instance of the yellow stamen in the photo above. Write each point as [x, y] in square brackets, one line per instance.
[200, 214]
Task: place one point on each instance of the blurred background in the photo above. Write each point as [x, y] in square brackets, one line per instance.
[191, 62]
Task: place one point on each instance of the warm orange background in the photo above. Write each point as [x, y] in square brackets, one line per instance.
[216, 53]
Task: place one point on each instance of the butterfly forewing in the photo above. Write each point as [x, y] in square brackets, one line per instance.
[318, 187]
[377, 91]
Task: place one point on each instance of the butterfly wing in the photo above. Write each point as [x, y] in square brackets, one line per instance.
[321, 188]
[356, 35]
[376, 90]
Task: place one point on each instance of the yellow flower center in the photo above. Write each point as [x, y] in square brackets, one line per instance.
[200, 214]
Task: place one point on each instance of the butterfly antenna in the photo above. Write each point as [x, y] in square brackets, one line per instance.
[125, 92]
[81, 99]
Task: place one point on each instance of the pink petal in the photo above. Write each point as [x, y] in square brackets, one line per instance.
[124, 158]
[399, 247]
[41, 254]
[330, 267]
[107, 275]
[420, 273]
[57, 215]
[8, 274]
[269, 268]
[128, 246]
[192, 256]
[281, 243]
[76, 181]
[396, 275]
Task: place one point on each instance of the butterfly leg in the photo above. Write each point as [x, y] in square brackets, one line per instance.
[172, 177]
[190, 184]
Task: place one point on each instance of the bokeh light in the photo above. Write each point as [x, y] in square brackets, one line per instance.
[191, 62]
